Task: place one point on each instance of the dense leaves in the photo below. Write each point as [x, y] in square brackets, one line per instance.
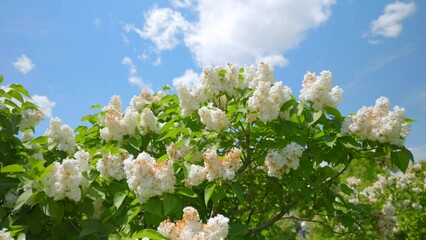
[259, 205]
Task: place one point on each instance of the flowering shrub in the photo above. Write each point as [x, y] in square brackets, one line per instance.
[237, 151]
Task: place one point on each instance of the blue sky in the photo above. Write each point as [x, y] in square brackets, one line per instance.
[74, 54]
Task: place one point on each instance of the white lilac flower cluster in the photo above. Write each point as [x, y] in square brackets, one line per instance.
[179, 153]
[117, 125]
[147, 177]
[386, 220]
[30, 118]
[66, 179]
[62, 136]
[353, 181]
[267, 99]
[111, 166]
[10, 199]
[317, 89]
[279, 163]
[191, 227]
[378, 123]
[215, 167]
[5, 235]
[149, 121]
[377, 189]
[146, 97]
[215, 84]
[214, 119]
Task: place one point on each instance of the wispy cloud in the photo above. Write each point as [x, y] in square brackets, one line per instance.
[134, 79]
[234, 31]
[379, 63]
[389, 24]
[189, 78]
[181, 3]
[45, 104]
[419, 153]
[24, 64]
[97, 22]
[162, 26]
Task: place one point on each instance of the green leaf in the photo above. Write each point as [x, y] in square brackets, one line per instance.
[166, 87]
[16, 95]
[20, 89]
[13, 168]
[54, 209]
[208, 191]
[40, 140]
[402, 158]
[149, 233]
[96, 106]
[222, 73]
[346, 189]
[114, 236]
[8, 182]
[239, 192]
[22, 199]
[333, 111]
[186, 192]
[89, 226]
[316, 117]
[169, 202]
[132, 213]
[154, 206]
[119, 198]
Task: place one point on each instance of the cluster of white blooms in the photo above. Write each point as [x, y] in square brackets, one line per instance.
[378, 188]
[214, 119]
[267, 99]
[5, 235]
[353, 181]
[190, 99]
[116, 124]
[62, 136]
[318, 90]
[149, 121]
[217, 82]
[386, 220]
[146, 97]
[191, 227]
[378, 123]
[179, 153]
[215, 167]
[10, 199]
[214, 84]
[111, 166]
[147, 177]
[65, 179]
[279, 163]
[30, 118]
[403, 181]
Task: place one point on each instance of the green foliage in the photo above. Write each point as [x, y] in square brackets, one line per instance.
[258, 206]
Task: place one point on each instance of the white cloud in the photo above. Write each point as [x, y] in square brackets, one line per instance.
[46, 105]
[162, 26]
[134, 79]
[189, 78]
[24, 64]
[244, 31]
[389, 23]
[419, 153]
[181, 3]
[97, 22]
[373, 42]
[240, 32]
